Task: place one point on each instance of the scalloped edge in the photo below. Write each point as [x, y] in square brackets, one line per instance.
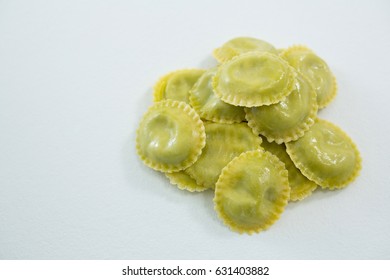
[195, 177]
[210, 117]
[182, 185]
[305, 189]
[308, 191]
[333, 94]
[311, 176]
[293, 134]
[221, 58]
[231, 53]
[266, 100]
[295, 47]
[159, 87]
[198, 125]
[279, 205]
[194, 102]
[161, 84]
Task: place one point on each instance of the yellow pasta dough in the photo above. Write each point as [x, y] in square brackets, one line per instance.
[223, 143]
[241, 45]
[176, 85]
[164, 133]
[290, 118]
[254, 79]
[301, 187]
[326, 155]
[252, 191]
[315, 69]
[209, 106]
[184, 181]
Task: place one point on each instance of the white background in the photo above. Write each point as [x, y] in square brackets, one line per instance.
[75, 79]
[113, 269]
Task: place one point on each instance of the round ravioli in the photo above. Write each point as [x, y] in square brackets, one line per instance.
[252, 191]
[301, 187]
[176, 85]
[170, 136]
[241, 45]
[184, 181]
[209, 106]
[223, 143]
[290, 118]
[315, 69]
[254, 79]
[326, 155]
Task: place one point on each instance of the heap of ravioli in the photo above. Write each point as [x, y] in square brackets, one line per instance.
[248, 130]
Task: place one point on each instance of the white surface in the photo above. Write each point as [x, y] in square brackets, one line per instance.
[75, 79]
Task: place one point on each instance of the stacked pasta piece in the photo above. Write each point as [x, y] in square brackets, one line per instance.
[248, 128]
